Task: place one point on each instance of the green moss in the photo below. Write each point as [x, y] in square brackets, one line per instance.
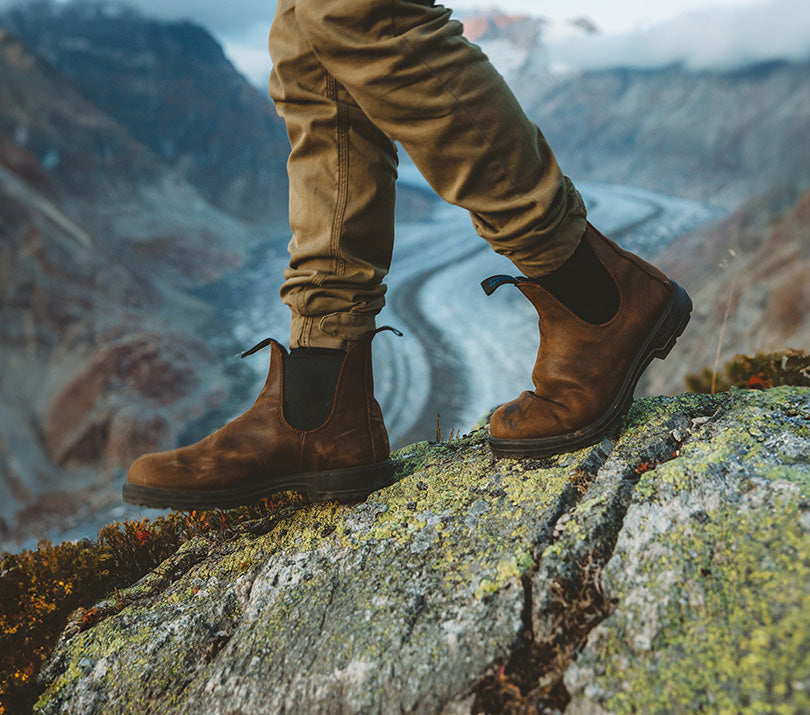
[742, 445]
[726, 597]
[451, 499]
[454, 481]
[485, 587]
[39, 589]
[657, 410]
[471, 526]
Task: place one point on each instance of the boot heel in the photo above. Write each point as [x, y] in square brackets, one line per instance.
[678, 315]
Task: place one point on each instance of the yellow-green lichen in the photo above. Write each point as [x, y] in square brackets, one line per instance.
[734, 620]
[458, 526]
[749, 444]
[485, 587]
[451, 503]
[655, 411]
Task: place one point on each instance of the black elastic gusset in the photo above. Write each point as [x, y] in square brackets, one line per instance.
[310, 381]
[584, 286]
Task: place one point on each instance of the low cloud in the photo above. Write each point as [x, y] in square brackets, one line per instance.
[721, 38]
[718, 38]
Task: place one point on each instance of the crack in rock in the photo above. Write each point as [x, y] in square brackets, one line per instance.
[513, 683]
[472, 586]
[564, 599]
[710, 571]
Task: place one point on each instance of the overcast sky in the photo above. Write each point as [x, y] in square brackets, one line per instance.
[700, 33]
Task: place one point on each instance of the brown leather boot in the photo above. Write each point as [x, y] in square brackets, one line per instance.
[586, 373]
[259, 454]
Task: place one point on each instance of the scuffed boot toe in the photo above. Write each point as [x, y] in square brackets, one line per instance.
[144, 485]
[530, 426]
[144, 470]
[510, 419]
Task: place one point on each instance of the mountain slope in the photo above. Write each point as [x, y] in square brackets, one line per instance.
[172, 88]
[721, 136]
[749, 278]
[104, 352]
[718, 136]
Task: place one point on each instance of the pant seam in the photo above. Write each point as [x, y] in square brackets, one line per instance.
[369, 392]
[452, 94]
[341, 200]
[308, 323]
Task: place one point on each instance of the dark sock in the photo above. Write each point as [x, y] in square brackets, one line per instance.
[310, 381]
[583, 285]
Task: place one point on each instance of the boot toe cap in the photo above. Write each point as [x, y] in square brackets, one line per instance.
[511, 420]
[147, 471]
[528, 417]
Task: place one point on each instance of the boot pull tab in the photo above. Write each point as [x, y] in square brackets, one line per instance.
[491, 284]
[387, 327]
[260, 346]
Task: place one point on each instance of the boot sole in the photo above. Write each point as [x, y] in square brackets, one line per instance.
[662, 339]
[342, 485]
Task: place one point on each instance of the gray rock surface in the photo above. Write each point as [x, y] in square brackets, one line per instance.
[472, 585]
[711, 574]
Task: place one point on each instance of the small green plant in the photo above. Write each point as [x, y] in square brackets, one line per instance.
[760, 372]
[40, 589]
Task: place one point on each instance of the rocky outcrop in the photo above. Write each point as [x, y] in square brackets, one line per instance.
[666, 569]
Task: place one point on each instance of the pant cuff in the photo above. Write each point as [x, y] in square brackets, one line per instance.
[335, 330]
[558, 247]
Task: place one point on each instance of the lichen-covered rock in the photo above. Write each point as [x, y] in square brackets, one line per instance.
[471, 585]
[399, 603]
[711, 573]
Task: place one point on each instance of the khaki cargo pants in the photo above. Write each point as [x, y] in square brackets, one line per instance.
[350, 76]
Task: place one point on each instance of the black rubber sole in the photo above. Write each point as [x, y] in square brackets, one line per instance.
[342, 485]
[660, 342]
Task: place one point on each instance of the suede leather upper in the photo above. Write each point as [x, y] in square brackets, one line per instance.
[259, 446]
[580, 366]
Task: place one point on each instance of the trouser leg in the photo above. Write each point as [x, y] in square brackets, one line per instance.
[342, 171]
[406, 64]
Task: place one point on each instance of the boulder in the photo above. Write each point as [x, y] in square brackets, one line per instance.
[665, 569]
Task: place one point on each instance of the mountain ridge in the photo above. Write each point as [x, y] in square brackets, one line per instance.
[92, 224]
[174, 90]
